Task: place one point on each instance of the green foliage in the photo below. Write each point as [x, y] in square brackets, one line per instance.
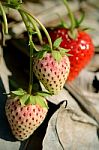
[44, 94]
[25, 98]
[15, 4]
[18, 92]
[41, 54]
[14, 1]
[73, 34]
[57, 55]
[57, 42]
[63, 51]
[47, 48]
[38, 100]
[80, 20]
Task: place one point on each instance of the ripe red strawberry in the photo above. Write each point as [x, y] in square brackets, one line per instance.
[24, 119]
[81, 48]
[78, 42]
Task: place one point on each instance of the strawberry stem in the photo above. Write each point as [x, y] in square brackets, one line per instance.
[4, 19]
[41, 25]
[32, 19]
[31, 64]
[31, 44]
[72, 19]
[36, 28]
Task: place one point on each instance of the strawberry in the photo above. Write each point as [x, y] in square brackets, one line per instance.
[77, 41]
[81, 48]
[52, 70]
[25, 113]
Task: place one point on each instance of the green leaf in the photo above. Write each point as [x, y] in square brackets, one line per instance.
[73, 35]
[41, 102]
[57, 42]
[63, 51]
[67, 54]
[47, 48]
[85, 28]
[32, 100]
[41, 54]
[15, 4]
[18, 92]
[56, 55]
[81, 18]
[24, 99]
[14, 1]
[65, 25]
[31, 31]
[62, 22]
[38, 100]
[43, 94]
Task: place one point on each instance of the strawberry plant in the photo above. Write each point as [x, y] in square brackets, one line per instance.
[26, 110]
[76, 40]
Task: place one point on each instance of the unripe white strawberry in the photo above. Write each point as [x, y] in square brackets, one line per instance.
[52, 73]
[25, 119]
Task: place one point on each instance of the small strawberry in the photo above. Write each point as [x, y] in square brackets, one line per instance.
[25, 113]
[78, 42]
[53, 68]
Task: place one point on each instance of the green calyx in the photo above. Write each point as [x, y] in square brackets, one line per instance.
[25, 98]
[75, 23]
[57, 52]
